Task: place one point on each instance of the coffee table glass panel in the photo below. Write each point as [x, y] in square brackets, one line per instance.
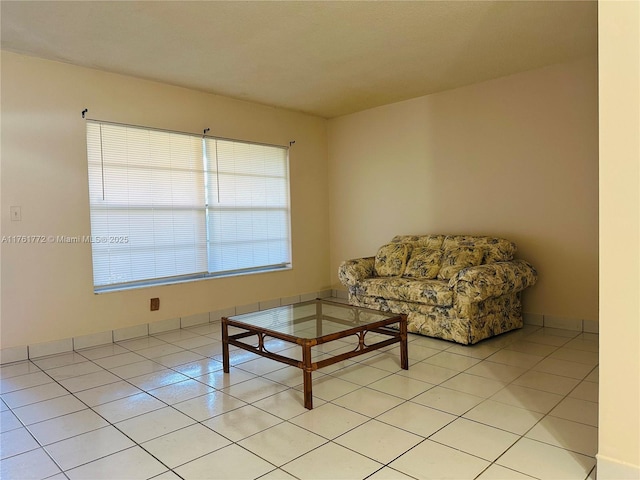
[313, 323]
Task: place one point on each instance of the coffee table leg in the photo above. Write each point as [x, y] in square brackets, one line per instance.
[306, 372]
[404, 351]
[225, 346]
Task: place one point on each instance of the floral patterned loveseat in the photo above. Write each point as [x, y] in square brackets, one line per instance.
[455, 287]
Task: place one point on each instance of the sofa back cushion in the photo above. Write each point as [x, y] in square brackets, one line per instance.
[455, 259]
[433, 242]
[495, 249]
[424, 262]
[391, 259]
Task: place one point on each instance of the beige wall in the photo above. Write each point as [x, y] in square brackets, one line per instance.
[619, 78]
[522, 145]
[47, 290]
[514, 157]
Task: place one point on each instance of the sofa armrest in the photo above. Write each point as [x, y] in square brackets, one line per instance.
[493, 280]
[350, 272]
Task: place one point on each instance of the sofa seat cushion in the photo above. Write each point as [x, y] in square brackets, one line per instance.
[428, 292]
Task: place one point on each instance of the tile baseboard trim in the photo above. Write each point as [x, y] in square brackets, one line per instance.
[610, 468]
[563, 323]
[66, 345]
[536, 319]
[14, 354]
[342, 294]
[50, 348]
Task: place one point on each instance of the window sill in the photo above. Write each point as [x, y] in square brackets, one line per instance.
[176, 281]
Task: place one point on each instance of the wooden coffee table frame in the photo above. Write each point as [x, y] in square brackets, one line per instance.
[307, 365]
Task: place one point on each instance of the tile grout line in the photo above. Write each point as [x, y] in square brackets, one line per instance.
[333, 374]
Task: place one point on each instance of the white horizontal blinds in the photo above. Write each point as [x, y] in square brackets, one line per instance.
[248, 206]
[146, 194]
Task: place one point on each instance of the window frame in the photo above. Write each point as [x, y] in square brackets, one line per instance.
[202, 210]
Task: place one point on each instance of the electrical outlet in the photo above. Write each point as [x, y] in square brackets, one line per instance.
[155, 304]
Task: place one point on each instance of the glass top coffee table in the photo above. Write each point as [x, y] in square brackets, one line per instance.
[313, 323]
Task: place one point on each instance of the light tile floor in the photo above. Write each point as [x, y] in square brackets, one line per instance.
[521, 405]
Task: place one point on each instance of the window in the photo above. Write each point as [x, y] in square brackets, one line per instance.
[169, 206]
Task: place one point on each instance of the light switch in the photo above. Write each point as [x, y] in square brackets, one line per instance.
[16, 214]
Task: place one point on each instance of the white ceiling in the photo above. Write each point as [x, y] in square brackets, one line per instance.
[320, 57]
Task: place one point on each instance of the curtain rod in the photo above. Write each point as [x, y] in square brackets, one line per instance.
[204, 132]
